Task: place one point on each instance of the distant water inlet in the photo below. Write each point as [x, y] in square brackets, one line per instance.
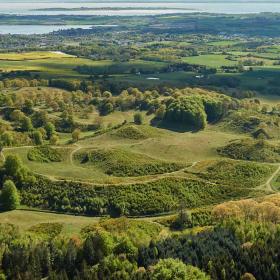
[40, 29]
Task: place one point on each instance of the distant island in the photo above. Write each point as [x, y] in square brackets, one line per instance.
[109, 9]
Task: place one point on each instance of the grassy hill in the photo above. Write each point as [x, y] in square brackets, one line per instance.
[248, 149]
[119, 162]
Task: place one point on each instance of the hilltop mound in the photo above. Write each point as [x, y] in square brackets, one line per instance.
[252, 150]
[259, 125]
[234, 173]
[137, 132]
[139, 232]
[122, 163]
[131, 132]
[44, 154]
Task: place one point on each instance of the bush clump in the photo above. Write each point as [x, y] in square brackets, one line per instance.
[44, 154]
[131, 132]
[248, 149]
[122, 163]
[50, 229]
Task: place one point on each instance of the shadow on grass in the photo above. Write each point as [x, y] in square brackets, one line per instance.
[176, 127]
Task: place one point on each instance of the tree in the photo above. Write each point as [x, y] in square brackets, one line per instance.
[26, 124]
[10, 197]
[37, 137]
[43, 132]
[106, 108]
[54, 139]
[248, 276]
[28, 107]
[160, 112]
[125, 246]
[16, 116]
[182, 221]
[76, 135]
[50, 130]
[7, 138]
[188, 110]
[12, 165]
[171, 269]
[138, 118]
[14, 169]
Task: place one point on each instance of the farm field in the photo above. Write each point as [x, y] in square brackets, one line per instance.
[25, 219]
[211, 60]
[32, 55]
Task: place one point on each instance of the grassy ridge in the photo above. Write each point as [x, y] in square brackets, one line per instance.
[251, 150]
[44, 154]
[234, 173]
[122, 163]
[162, 195]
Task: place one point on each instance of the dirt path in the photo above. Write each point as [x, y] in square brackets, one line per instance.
[267, 185]
[73, 152]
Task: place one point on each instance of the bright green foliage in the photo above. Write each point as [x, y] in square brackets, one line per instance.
[137, 232]
[171, 269]
[44, 154]
[37, 137]
[7, 138]
[13, 168]
[162, 195]
[54, 139]
[26, 124]
[10, 198]
[131, 132]
[50, 130]
[50, 230]
[248, 276]
[123, 163]
[125, 246]
[237, 173]
[76, 135]
[248, 149]
[12, 165]
[118, 267]
[188, 111]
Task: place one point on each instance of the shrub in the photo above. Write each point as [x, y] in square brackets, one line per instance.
[10, 198]
[138, 118]
[44, 154]
[188, 111]
[123, 163]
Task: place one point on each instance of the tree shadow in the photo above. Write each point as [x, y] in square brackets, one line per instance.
[172, 126]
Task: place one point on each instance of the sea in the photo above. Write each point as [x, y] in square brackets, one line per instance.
[123, 8]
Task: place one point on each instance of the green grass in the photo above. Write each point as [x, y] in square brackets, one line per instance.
[123, 163]
[160, 144]
[223, 43]
[233, 173]
[44, 154]
[210, 60]
[32, 55]
[136, 132]
[248, 149]
[250, 121]
[25, 219]
[65, 66]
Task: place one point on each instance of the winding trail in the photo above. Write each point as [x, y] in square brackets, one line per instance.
[74, 152]
[267, 185]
